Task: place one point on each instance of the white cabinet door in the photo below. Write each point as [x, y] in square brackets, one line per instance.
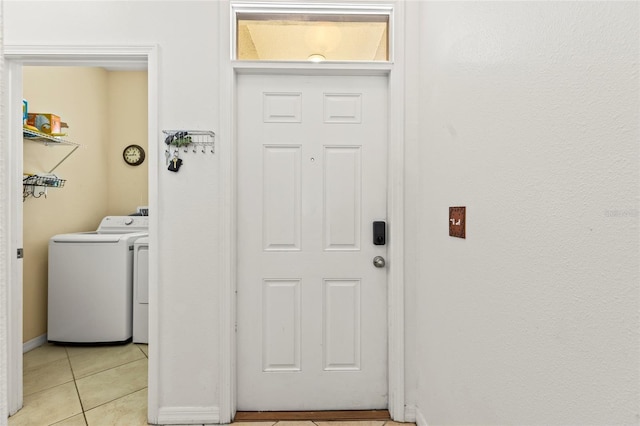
[312, 307]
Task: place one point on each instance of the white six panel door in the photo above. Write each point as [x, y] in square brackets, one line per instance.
[312, 308]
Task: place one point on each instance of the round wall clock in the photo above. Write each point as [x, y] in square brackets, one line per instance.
[133, 155]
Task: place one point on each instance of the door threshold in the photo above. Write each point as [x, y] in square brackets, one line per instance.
[346, 415]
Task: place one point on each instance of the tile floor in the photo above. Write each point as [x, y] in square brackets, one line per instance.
[74, 386]
[101, 386]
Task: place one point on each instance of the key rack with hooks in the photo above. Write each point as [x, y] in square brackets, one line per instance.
[186, 141]
[194, 141]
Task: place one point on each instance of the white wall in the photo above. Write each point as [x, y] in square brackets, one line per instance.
[523, 112]
[529, 117]
[186, 33]
[412, 211]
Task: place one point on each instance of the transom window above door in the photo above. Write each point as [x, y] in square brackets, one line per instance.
[312, 34]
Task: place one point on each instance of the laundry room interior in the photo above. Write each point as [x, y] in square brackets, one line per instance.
[106, 111]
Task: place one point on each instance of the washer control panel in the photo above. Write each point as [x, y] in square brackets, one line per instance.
[124, 224]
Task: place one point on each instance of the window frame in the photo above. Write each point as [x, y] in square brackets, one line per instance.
[339, 10]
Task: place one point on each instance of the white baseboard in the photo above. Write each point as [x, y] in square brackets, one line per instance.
[410, 413]
[420, 420]
[34, 343]
[188, 415]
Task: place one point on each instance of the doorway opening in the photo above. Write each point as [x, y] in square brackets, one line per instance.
[104, 110]
[392, 68]
[22, 63]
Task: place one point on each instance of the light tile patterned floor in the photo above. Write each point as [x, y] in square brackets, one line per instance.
[100, 386]
[80, 386]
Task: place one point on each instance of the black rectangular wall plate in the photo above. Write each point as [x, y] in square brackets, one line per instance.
[379, 233]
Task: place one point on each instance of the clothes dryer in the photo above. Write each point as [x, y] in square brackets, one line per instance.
[141, 290]
[91, 280]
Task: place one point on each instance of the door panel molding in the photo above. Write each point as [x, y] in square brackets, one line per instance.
[342, 186]
[341, 324]
[276, 321]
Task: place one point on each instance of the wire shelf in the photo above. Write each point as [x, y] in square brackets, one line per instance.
[45, 138]
[49, 140]
[36, 185]
[38, 180]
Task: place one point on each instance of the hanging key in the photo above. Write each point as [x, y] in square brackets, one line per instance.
[175, 163]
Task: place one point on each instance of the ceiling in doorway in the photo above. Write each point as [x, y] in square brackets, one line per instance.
[287, 39]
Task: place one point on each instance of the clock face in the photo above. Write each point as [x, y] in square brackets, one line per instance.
[133, 155]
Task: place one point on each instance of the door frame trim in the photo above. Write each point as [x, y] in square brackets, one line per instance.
[16, 56]
[229, 69]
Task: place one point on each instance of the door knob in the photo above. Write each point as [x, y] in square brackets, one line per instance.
[379, 262]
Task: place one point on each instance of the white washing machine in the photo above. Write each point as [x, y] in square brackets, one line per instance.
[91, 280]
[141, 290]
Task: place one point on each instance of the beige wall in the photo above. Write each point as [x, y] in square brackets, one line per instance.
[127, 111]
[85, 98]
